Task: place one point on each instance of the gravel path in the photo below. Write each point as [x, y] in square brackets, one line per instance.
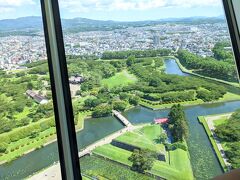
[210, 121]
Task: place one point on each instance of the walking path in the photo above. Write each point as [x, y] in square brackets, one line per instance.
[211, 126]
[122, 118]
[106, 140]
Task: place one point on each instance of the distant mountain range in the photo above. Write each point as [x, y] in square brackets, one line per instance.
[34, 23]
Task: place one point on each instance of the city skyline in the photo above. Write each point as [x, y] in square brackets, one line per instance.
[118, 10]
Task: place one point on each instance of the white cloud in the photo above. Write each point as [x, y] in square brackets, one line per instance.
[5, 9]
[189, 3]
[7, 6]
[15, 3]
[111, 5]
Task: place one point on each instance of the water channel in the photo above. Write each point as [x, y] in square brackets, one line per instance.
[204, 162]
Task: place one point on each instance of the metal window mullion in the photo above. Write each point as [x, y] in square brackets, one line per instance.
[233, 29]
[67, 143]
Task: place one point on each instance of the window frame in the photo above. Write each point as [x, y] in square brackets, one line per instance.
[231, 14]
[63, 110]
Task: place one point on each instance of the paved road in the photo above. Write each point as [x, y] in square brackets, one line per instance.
[51, 173]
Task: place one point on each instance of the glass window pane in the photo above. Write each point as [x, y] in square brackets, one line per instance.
[153, 80]
[27, 126]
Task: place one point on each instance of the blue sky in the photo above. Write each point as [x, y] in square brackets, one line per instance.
[121, 10]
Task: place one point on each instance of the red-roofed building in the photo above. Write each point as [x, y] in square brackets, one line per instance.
[161, 121]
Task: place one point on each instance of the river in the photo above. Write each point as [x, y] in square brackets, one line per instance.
[173, 68]
[204, 162]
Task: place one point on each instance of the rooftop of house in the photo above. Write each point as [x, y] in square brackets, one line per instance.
[38, 98]
[161, 120]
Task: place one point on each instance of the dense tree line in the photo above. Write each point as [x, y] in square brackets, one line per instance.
[135, 53]
[102, 111]
[154, 81]
[208, 66]
[229, 133]
[171, 96]
[177, 123]
[221, 54]
[25, 132]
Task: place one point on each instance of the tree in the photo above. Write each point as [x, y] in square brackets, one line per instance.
[177, 123]
[23, 122]
[163, 138]
[91, 103]
[102, 111]
[3, 147]
[34, 134]
[119, 105]
[142, 160]
[123, 96]
[130, 60]
[30, 86]
[78, 92]
[134, 100]
[155, 82]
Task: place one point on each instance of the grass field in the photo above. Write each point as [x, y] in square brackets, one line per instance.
[161, 169]
[180, 160]
[101, 168]
[178, 168]
[144, 138]
[202, 119]
[220, 121]
[120, 79]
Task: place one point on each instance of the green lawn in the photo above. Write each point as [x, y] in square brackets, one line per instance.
[161, 169]
[202, 119]
[230, 97]
[178, 168]
[115, 153]
[152, 132]
[120, 79]
[220, 121]
[144, 138]
[180, 160]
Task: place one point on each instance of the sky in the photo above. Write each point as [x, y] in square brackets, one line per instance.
[119, 10]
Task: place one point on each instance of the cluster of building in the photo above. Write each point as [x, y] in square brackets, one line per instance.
[198, 38]
[18, 50]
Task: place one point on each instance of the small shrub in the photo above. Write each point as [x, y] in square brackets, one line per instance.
[12, 150]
